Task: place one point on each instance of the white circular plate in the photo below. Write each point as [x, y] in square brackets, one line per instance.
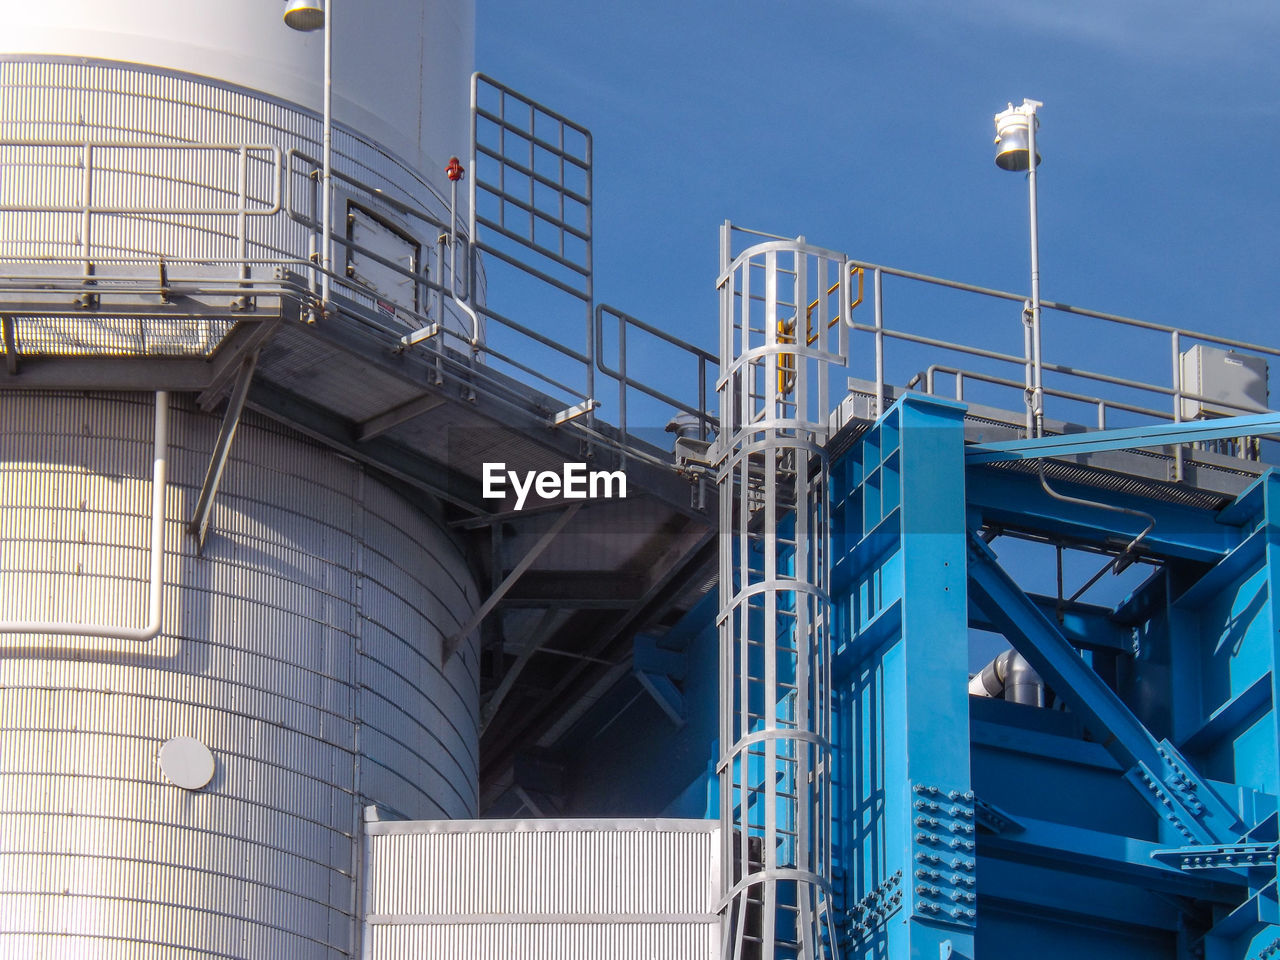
[186, 762]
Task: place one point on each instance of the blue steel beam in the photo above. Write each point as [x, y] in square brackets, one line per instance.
[1126, 438]
[907, 839]
[1015, 500]
[1087, 626]
[1098, 854]
[1164, 778]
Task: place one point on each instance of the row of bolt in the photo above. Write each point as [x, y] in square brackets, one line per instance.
[952, 795]
[958, 913]
[1229, 859]
[1157, 790]
[875, 907]
[945, 879]
[932, 806]
[934, 822]
[957, 863]
[955, 843]
[1184, 785]
[959, 879]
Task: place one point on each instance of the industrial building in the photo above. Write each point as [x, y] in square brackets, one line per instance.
[347, 612]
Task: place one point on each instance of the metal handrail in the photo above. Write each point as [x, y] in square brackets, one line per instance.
[707, 422]
[1172, 392]
[87, 207]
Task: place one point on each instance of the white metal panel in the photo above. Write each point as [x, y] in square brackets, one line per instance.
[538, 890]
[259, 659]
[401, 66]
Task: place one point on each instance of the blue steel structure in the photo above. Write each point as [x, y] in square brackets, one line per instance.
[1134, 815]
[871, 807]
[1140, 822]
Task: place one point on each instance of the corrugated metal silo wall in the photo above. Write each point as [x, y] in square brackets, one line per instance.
[303, 649]
[543, 890]
[68, 101]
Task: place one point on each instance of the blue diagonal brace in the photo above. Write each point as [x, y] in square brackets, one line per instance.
[666, 695]
[1164, 778]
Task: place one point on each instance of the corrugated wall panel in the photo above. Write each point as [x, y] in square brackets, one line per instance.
[258, 659]
[538, 941]
[71, 101]
[538, 890]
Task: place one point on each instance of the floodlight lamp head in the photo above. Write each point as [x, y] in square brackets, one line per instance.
[304, 15]
[1013, 133]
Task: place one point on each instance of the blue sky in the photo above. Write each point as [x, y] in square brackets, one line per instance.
[868, 126]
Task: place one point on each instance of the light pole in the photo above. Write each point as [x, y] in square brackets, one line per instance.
[306, 16]
[1016, 146]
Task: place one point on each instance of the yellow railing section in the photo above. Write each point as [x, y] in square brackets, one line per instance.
[787, 331]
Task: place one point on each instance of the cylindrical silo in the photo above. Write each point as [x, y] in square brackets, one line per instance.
[148, 129]
[303, 646]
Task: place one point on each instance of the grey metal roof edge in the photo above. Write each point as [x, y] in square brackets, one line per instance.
[559, 825]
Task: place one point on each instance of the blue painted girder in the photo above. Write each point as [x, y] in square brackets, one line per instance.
[1125, 438]
[1163, 777]
[1015, 500]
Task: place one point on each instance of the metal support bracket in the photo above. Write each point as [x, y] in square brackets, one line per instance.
[657, 670]
[573, 413]
[232, 365]
[527, 561]
[199, 525]
[423, 333]
[1232, 858]
[532, 642]
[990, 817]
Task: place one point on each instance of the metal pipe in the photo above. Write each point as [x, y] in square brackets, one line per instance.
[155, 596]
[1028, 377]
[1176, 348]
[878, 294]
[1125, 556]
[326, 236]
[1038, 383]
[1011, 677]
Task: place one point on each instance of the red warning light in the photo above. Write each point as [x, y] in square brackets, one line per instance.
[455, 170]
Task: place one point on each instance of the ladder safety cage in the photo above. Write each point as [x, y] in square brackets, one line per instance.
[775, 645]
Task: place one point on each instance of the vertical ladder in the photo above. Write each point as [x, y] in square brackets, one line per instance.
[775, 699]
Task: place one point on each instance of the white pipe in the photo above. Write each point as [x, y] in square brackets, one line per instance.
[155, 598]
[1029, 107]
[326, 241]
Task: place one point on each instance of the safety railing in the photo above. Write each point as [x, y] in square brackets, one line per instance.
[1174, 339]
[531, 195]
[894, 340]
[117, 169]
[704, 366]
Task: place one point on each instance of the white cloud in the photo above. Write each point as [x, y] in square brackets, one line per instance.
[1160, 29]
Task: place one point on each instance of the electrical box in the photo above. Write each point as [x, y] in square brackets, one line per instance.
[1233, 384]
